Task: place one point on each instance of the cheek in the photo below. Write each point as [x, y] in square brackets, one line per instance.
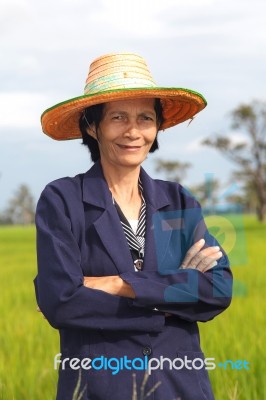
[104, 137]
[108, 149]
[108, 135]
[151, 137]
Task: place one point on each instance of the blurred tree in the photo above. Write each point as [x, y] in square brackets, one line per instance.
[174, 171]
[206, 193]
[4, 219]
[250, 154]
[21, 208]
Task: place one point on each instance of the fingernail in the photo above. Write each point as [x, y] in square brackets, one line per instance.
[201, 241]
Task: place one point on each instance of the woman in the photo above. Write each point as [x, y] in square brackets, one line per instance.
[126, 266]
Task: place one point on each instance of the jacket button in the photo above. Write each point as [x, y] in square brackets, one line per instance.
[146, 351]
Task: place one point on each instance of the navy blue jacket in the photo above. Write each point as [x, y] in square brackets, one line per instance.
[79, 234]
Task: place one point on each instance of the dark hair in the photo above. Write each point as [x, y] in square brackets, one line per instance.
[94, 114]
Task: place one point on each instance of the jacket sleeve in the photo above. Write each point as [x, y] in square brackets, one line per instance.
[186, 293]
[60, 293]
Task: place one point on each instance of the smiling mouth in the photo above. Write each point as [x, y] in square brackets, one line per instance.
[125, 147]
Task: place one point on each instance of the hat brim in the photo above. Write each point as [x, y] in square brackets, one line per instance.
[61, 122]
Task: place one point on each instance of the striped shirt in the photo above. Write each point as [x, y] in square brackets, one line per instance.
[136, 241]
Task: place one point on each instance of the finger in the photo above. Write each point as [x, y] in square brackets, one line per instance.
[209, 251]
[204, 268]
[192, 252]
[201, 261]
[207, 255]
[210, 266]
[207, 262]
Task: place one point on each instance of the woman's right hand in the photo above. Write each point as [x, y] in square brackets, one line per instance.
[199, 259]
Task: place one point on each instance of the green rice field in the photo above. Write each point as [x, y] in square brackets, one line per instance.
[236, 338]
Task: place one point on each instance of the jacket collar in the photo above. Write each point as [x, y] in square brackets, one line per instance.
[96, 191]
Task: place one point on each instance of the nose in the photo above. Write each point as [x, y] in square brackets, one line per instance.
[132, 130]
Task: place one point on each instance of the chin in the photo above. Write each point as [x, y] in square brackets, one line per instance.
[131, 161]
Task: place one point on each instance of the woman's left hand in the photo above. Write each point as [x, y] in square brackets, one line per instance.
[201, 259]
[110, 284]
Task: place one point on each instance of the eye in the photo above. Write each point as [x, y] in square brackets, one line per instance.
[118, 117]
[146, 117]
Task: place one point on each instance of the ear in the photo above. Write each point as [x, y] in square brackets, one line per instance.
[91, 130]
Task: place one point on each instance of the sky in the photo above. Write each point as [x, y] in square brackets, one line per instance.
[216, 47]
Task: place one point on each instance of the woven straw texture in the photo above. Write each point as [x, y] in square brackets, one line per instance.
[114, 77]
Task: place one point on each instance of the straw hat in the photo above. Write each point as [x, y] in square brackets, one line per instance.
[114, 77]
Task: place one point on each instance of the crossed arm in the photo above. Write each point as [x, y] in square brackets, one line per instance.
[194, 291]
[196, 258]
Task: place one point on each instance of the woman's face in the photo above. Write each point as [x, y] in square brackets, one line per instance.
[126, 132]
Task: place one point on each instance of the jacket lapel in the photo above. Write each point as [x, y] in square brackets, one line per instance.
[110, 230]
[107, 223]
